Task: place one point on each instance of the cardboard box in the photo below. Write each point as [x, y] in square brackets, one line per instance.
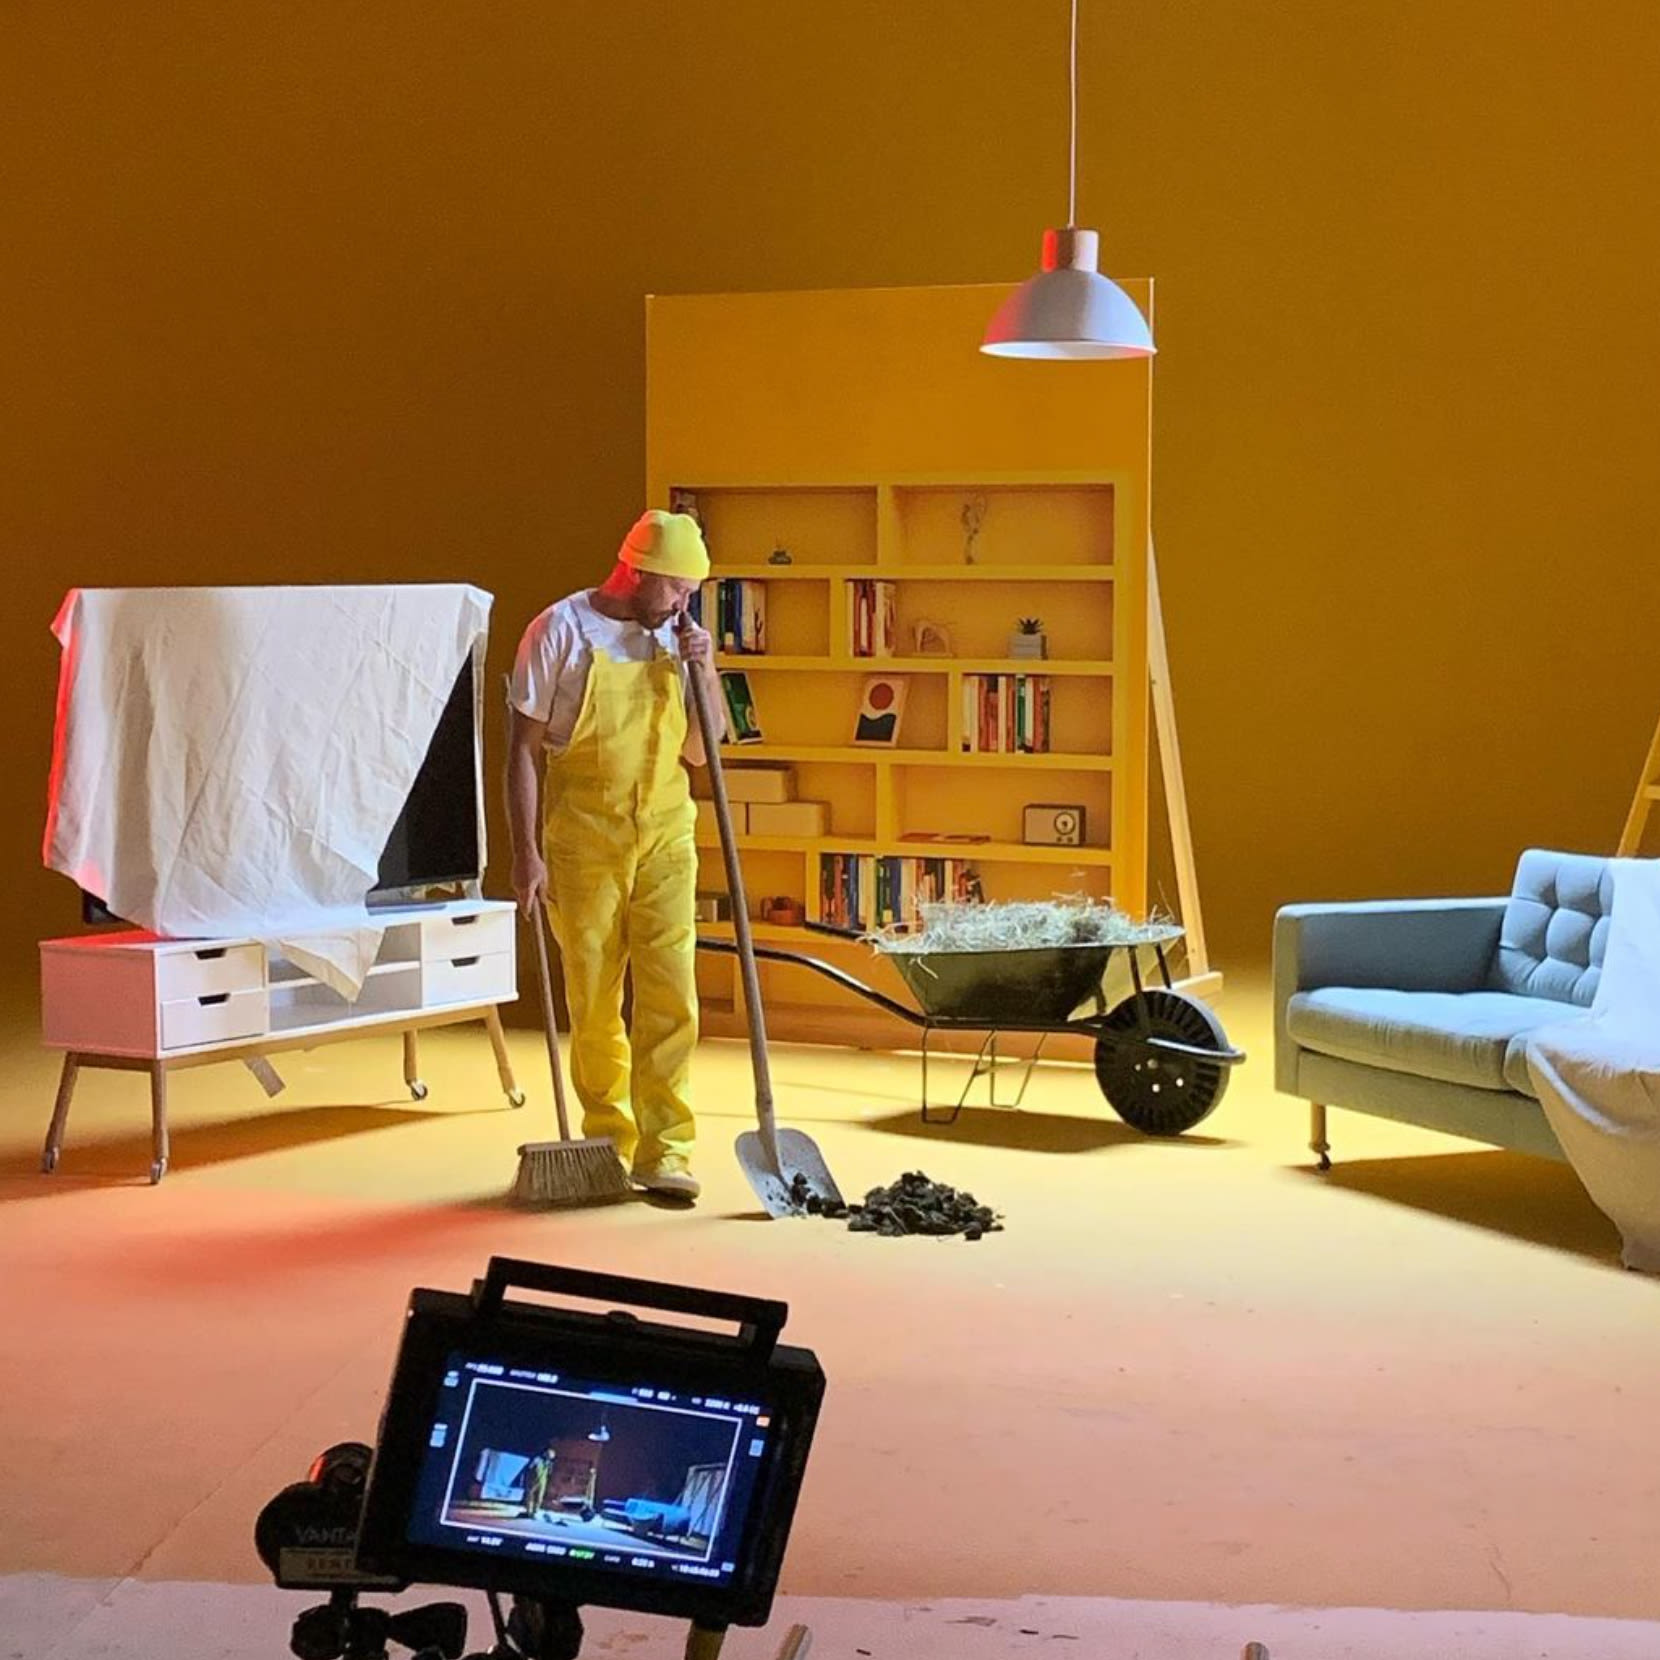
[708, 827]
[789, 818]
[760, 783]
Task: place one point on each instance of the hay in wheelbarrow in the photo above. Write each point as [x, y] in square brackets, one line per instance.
[1019, 963]
[956, 925]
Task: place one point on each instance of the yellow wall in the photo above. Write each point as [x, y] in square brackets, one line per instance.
[319, 292]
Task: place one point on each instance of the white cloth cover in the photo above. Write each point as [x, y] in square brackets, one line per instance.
[231, 761]
[1598, 1077]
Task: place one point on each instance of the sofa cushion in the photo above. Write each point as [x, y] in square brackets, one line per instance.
[1473, 1037]
[1555, 927]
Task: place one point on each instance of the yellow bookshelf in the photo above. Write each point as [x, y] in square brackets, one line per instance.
[854, 430]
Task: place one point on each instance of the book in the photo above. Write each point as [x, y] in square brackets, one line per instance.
[1006, 714]
[734, 610]
[743, 722]
[864, 892]
[872, 617]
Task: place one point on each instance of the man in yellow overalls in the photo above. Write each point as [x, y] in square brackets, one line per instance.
[600, 690]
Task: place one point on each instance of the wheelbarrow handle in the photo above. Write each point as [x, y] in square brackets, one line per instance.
[798, 959]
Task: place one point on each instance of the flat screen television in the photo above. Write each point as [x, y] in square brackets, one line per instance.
[435, 841]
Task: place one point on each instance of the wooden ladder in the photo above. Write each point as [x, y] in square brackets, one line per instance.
[1642, 803]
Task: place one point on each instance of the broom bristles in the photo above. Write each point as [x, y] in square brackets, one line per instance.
[570, 1172]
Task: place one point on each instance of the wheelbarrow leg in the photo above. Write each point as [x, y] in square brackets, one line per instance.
[927, 1100]
[1025, 1076]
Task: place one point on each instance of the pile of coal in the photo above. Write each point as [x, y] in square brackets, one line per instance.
[913, 1204]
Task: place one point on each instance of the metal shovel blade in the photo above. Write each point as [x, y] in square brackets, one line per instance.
[798, 1156]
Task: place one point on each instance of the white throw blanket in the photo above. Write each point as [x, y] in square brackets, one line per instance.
[231, 761]
[1598, 1077]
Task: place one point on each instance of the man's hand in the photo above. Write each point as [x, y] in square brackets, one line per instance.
[697, 649]
[530, 883]
[697, 645]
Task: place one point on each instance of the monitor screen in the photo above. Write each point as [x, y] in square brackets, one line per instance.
[435, 840]
[625, 1479]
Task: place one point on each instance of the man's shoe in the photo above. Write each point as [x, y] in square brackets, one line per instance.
[672, 1180]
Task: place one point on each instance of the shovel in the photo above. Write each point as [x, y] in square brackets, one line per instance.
[784, 1167]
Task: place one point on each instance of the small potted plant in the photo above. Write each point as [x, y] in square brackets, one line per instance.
[1029, 640]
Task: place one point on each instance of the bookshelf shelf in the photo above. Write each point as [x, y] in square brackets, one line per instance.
[996, 852]
[915, 665]
[879, 756]
[903, 572]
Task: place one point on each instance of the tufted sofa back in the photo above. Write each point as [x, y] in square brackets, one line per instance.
[1555, 927]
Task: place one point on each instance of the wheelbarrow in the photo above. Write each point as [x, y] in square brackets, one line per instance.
[1162, 1059]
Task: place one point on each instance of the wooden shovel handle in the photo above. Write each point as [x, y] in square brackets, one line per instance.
[740, 917]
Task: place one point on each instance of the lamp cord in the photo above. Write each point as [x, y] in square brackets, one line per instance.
[1072, 181]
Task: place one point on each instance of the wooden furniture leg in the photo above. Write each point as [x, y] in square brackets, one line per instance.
[158, 1121]
[504, 1061]
[412, 1067]
[60, 1113]
[1317, 1143]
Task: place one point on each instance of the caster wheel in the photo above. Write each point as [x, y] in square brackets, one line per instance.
[1324, 1163]
[157, 1170]
[417, 1091]
[1156, 1093]
[515, 1098]
[49, 1161]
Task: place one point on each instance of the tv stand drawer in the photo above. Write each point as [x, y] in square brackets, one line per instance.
[488, 978]
[216, 1017]
[204, 970]
[466, 934]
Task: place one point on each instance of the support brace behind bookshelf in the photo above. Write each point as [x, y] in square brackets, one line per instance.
[1199, 980]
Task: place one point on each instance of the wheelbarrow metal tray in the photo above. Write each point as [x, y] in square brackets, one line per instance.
[1027, 986]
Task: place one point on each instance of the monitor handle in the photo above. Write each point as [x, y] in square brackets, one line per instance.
[759, 1320]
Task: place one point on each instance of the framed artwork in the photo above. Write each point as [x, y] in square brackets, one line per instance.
[880, 709]
[743, 723]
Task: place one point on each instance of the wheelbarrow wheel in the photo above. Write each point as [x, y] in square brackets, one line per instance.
[1160, 1094]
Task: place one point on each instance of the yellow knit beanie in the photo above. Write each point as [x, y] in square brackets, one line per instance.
[666, 544]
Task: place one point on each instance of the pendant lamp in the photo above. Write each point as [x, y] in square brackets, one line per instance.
[1069, 310]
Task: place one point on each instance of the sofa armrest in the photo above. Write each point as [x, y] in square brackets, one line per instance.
[1405, 945]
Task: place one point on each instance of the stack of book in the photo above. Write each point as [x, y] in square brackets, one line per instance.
[858, 890]
[1006, 714]
[734, 610]
[872, 617]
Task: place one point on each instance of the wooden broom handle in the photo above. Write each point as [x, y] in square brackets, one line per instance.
[756, 1021]
[550, 1030]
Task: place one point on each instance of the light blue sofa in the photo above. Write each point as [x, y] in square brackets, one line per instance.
[1420, 1010]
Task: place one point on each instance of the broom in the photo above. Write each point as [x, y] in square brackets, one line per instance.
[565, 1172]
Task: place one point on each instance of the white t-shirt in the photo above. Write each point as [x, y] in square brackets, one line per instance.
[550, 673]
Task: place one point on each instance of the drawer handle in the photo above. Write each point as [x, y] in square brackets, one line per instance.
[216, 997]
[463, 921]
[463, 962]
[212, 954]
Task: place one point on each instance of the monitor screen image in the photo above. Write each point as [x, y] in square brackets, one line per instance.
[627, 1479]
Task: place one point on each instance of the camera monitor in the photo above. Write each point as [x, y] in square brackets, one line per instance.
[593, 1458]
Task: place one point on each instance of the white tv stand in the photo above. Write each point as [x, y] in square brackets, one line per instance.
[134, 1003]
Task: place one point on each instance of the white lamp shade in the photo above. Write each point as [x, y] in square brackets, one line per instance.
[1069, 310]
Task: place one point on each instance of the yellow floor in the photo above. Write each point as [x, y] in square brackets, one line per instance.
[1190, 1370]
